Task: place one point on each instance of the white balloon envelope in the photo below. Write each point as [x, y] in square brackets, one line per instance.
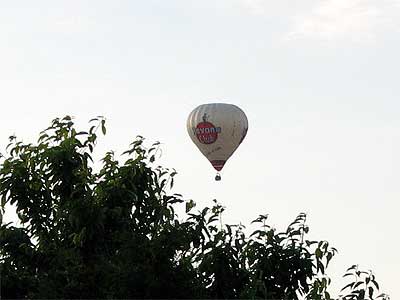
[217, 129]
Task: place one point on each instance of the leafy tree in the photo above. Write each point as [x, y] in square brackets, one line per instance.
[115, 233]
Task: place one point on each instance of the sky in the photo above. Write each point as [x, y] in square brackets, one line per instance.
[317, 79]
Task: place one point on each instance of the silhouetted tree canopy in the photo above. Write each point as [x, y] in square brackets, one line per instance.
[115, 233]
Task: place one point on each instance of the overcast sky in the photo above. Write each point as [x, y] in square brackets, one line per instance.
[318, 80]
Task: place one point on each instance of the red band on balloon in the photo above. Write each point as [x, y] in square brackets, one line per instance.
[218, 164]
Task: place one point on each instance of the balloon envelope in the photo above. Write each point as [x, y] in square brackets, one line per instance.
[217, 129]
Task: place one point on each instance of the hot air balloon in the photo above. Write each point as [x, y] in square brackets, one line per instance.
[217, 129]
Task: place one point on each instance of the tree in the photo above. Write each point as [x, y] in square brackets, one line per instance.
[116, 234]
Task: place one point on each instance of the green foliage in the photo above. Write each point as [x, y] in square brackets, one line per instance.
[115, 233]
[362, 286]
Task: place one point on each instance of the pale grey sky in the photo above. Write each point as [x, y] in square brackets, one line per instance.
[318, 81]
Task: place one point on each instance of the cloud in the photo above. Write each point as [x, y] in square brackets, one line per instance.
[70, 24]
[354, 20]
[357, 20]
[258, 7]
